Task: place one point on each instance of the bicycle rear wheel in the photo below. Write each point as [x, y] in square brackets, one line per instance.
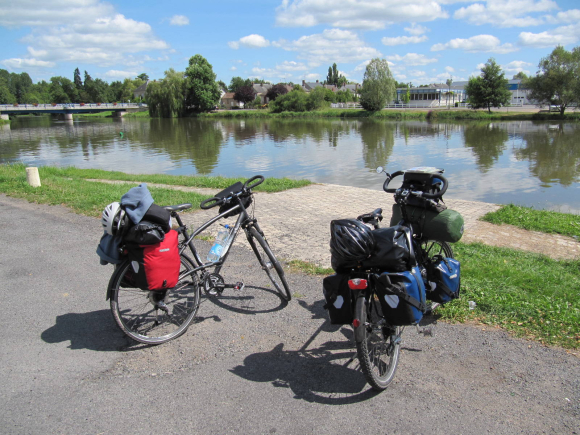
[434, 247]
[379, 345]
[269, 263]
[154, 317]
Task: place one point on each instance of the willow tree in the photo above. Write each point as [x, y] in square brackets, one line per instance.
[378, 85]
[166, 97]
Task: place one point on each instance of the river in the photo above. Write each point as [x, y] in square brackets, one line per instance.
[527, 163]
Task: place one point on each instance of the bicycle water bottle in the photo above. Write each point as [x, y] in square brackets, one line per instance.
[221, 242]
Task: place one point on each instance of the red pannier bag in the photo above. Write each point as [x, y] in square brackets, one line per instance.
[156, 267]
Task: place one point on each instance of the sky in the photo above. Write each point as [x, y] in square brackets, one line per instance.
[424, 41]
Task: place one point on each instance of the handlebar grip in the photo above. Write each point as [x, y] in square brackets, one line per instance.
[210, 203]
[389, 179]
[249, 186]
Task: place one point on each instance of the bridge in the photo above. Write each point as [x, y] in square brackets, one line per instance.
[67, 110]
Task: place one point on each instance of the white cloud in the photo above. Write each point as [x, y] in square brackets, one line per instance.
[412, 59]
[37, 13]
[17, 63]
[479, 43]
[401, 40]
[416, 29]
[179, 20]
[87, 31]
[250, 41]
[570, 16]
[506, 13]
[515, 67]
[114, 74]
[550, 38]
[332, 45]
[356, 14]
[282, 71]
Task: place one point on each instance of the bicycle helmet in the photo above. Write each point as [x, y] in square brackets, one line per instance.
[112, 218]
[350, 239]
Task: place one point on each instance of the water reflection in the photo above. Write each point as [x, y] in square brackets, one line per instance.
[530, 163]
[553, 153]
[487, 141]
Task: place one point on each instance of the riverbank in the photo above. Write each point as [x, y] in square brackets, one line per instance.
[506, 114]
[505, 270]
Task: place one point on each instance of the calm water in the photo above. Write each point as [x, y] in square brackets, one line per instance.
[529, 163]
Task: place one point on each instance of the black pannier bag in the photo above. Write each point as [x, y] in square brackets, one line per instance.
[144, 233]
[158, 215]
[338, 298]
[391, 252]
[444, 279]
[154, 267]
[234, 188]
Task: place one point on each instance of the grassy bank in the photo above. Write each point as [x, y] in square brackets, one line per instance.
[387, 114]
[70, 187]
[536, 220]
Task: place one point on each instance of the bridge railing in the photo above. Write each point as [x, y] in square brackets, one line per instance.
[65, 106]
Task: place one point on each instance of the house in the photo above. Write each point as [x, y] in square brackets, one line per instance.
[229, 102]
[261, 90]
[139, 93]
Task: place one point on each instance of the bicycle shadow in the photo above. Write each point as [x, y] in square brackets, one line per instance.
[93, 331]
[328, 374]
[245, 303]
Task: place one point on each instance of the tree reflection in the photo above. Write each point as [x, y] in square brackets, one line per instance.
[378, 138]
[553, 154]
[319, 131]
[487, 141]
[197, 140]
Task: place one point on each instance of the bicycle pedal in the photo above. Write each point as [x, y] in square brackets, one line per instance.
[239, 286]
[426, 331]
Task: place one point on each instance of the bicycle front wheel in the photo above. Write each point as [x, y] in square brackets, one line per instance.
[378, 345]
[269, 263]
[154, 317]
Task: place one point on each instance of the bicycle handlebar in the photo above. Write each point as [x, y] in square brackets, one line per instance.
[412, 192]
[235, 190]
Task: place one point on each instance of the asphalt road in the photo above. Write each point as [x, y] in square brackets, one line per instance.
[249, 364]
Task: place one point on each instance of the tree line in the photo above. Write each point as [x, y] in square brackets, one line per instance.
[19, 89]
[197, 89]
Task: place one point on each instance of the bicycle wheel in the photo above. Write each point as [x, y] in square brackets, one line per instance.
[269, 263]
[379, 345]
[434, 247]
[154, 317]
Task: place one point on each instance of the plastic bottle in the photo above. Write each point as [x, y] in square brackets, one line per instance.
[221, 241]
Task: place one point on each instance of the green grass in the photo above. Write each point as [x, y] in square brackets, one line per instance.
[528, 294]
[536, 220]
[70, 187]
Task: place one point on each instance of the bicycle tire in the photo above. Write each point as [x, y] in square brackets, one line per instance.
[435, 247]
[269, 263]
[136, 312]
[379, 345]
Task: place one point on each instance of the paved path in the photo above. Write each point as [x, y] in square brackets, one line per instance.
[297, 222]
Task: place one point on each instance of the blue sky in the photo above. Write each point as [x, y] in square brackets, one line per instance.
[425, 41]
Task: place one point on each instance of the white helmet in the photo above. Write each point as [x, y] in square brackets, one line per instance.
[112, 218]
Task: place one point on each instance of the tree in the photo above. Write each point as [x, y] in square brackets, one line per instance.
[276, 91]
[557, 79]
[490, 89]
[407, 95]
[521, 76]
[448, 82]
[245, 94]
[143, 77]
[166, 98]
[294, 101]
[378, 85]
[237, 82]
[77, 79]
[334, 77]
[223, 87]
[201, 90]
[63, 90]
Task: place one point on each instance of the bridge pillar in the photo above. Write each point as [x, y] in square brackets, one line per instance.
[5, 116]
[119, 113]
[67, 116]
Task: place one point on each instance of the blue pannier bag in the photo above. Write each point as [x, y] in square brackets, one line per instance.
[444, 279]
[402, 296]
